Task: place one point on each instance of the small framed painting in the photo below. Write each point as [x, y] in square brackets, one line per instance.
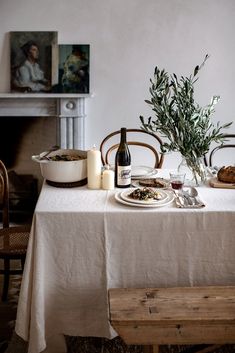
[74, 68]
[34, 61]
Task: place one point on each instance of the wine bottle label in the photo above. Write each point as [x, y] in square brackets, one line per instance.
[124, 175]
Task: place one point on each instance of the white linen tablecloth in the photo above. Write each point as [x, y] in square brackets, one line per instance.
[84, 242]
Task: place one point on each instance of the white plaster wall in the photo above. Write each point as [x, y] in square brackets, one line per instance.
[128, 38]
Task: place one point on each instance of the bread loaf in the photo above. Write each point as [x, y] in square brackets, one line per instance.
[226, 174]
[153, 182]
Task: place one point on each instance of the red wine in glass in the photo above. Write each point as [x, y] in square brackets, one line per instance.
[176, 184]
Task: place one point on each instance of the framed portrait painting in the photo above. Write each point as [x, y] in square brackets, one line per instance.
[74, 68]
[34, 61]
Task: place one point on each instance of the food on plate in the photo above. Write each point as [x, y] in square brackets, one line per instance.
[65, 157]
[226, 174]
[145, 194]
[153, 182]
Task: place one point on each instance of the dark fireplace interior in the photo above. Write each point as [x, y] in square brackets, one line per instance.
[22, 137]
[22, 197]
[13, 130]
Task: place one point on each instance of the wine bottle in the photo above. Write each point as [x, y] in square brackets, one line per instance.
[123, 163]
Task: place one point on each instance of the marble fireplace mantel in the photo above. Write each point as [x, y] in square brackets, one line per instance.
[68, 108]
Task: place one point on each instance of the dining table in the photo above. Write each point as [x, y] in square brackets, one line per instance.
[85, 241]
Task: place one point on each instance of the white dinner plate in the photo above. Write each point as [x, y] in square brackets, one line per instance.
[141, 171]
[170, 199]
[125, 196]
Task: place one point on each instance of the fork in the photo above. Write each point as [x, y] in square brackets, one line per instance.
[187, 198]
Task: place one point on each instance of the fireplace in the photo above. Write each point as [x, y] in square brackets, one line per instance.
[21, 138]
[30, 124]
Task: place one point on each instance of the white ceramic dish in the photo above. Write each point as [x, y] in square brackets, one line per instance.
[142, 172]
[63, 171]
[169, 200]
[125, 196]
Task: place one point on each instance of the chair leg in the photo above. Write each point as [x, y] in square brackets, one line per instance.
[6, 279]
[22, 260]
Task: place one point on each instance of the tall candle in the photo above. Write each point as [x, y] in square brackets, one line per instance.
[94, 169]
[108, 179]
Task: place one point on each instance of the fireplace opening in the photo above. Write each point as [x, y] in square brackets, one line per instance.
[23, 195]
[22, 137]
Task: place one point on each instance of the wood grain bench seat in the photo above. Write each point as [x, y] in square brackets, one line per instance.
[178, 316]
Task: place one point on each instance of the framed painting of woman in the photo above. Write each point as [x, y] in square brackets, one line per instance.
[34, 61]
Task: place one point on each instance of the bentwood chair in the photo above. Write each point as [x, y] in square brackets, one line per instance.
[13, 240]
[135, 137]
[225, 145]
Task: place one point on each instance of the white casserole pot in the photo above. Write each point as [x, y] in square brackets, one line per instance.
[63, 171]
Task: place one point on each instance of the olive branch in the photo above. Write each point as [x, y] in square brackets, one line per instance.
[185, 124]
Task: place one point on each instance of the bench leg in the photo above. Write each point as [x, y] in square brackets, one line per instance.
[155, 349]
[151, 349]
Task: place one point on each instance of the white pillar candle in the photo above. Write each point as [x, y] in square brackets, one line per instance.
[108, 179]
[94, 169]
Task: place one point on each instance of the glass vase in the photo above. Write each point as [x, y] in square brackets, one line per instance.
[194, 169]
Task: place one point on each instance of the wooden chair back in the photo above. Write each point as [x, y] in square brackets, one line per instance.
[154, 147]
[4, 195]
[226, 145]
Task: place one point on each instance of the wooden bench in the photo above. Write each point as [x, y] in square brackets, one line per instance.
[177, 316]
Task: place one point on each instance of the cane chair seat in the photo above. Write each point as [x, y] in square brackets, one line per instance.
[13, 239]
[18, 240]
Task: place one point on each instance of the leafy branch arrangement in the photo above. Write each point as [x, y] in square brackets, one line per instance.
[186, 125]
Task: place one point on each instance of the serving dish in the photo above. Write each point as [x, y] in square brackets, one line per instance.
[125, 196]
[170, 198]
[139, 172]
[63, 171]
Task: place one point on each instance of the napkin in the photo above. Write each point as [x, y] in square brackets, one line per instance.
[181, 202]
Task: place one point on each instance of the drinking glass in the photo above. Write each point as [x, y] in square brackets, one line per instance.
[177, 180]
